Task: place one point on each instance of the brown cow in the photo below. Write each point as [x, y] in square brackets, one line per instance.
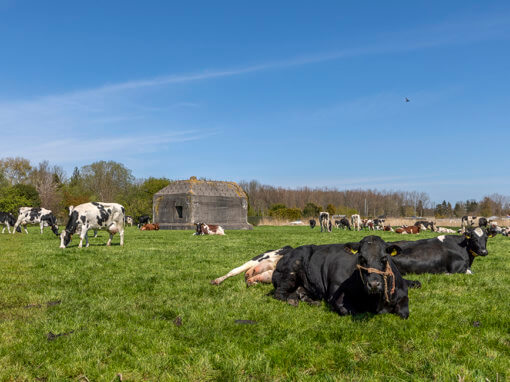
[411, 230]
[150, 227]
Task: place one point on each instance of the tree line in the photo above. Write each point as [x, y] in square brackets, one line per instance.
[48, 186]
[292, 204]
[44, 185]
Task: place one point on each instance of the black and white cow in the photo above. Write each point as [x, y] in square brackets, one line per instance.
[8, 220]
[379, 224]
[129, 220]
[352, 278]
[442, 254]
[472, 221]
[356, 222]
[36, 215]
[324, 222]
[95, 215]
[267, 260]
[313, 223]
[144, 219]
[343, 223]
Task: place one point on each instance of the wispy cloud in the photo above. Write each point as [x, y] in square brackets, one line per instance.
[61, 123]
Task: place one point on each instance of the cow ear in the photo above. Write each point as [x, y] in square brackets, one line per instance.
[393, 250]
[351, 247]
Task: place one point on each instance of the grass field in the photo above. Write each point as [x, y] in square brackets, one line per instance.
[148, 312]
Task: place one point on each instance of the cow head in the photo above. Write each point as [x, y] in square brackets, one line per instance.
[54, 228]
[65, 238]
[72, 225]
[476, 241]
[373, 260]
[198, 230]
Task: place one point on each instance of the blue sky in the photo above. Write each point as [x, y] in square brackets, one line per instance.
[289, 93]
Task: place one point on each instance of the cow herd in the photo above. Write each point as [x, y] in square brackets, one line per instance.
[354, 277]
[361, 277]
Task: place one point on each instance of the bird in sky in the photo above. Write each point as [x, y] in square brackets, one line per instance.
[408, 100]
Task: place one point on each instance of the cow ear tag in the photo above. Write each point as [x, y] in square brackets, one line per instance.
[394, 252]
[354, 251]
[468, 237]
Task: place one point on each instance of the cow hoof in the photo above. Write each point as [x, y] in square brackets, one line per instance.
[215, 282]
[292, 302]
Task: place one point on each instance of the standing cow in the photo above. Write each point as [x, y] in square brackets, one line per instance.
[95, 215]
[36, 215]
[356, 222]
[324, 222]
[313, 223]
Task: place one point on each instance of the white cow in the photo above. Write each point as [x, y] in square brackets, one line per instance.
[36, 215]
[356, 222]
[95, 215]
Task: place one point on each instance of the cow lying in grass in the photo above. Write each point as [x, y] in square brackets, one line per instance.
[208, 229]
[150, 227]
[352, 278]
[442, 254]
[259, 269]
[413, 230]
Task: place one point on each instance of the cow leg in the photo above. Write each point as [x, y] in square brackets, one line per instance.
[8, 230]
[402, 307]
[95, 233]
[110, 240]
[41, 225]
[337, 303]
[121, 234]
[235, 272]
[303, 296]
[25, 228]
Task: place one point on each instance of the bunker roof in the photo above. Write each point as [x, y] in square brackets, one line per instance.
[195, 186]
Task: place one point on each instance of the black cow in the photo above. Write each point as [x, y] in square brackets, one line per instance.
[343, 223]
[313, 223]
[144, 219]
[8, 220]
[367, 281]
[443, 254]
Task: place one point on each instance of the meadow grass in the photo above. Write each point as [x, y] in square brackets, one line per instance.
[147, 311]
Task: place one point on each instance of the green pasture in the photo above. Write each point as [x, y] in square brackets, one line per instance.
[147, 311]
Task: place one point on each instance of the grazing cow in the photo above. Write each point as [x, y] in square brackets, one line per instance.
[36, 215]
[313, 223]
[343, 223]
[324, 222]
[144, 219]
[368, 223]
[129, 220]
[356, 222]
[150, 227]
[425, 225]
[208, 229]
[442, 254]
[258, 269]
[352, 278]
[95, 216]
[471, 221]
[8, 220]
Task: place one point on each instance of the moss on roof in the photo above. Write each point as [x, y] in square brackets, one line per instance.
[195, 186]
